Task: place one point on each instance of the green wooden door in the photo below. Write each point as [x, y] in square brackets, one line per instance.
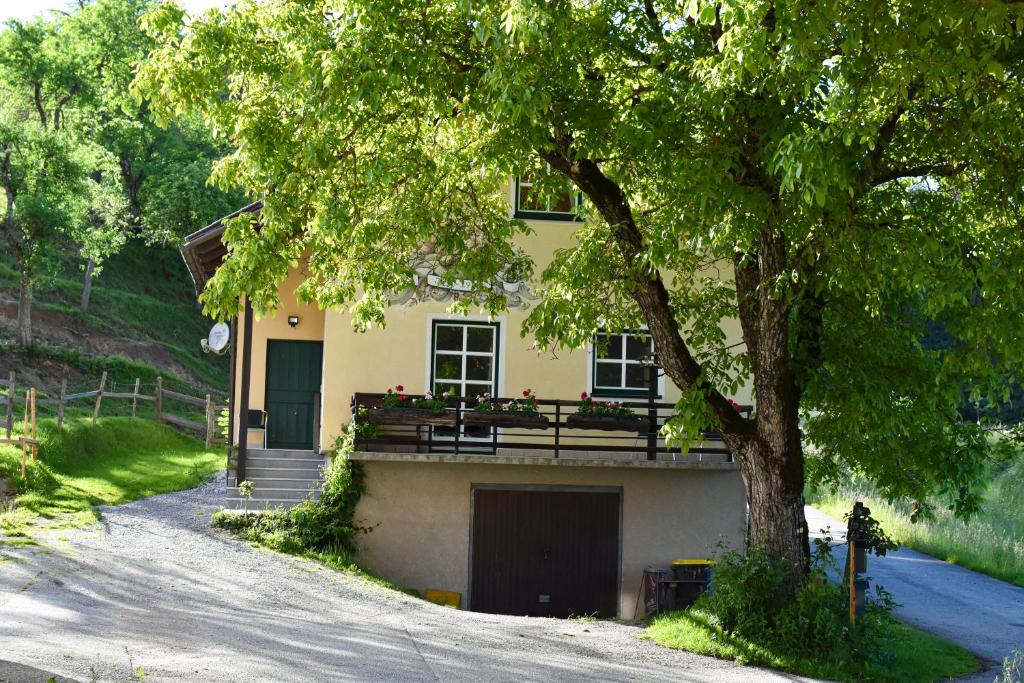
[293, 379]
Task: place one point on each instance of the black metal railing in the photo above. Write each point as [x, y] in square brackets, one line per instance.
[557, 428]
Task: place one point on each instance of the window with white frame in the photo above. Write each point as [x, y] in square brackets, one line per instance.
[617, 368]
[532, 203]
[464, 358]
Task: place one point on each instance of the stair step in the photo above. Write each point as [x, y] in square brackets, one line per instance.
[259, 505]
[282, 473]
[282, 493]
[280, 453]
[304, 483]
[298, 462]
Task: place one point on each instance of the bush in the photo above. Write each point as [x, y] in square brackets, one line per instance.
[750, 601]
[314, 526]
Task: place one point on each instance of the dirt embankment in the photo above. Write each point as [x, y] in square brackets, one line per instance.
[63, 329]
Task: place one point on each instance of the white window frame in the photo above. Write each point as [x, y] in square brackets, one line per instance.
[542, 214]
[498, 323]
[622, 391]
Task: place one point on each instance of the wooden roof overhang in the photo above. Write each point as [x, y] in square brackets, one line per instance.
[204, 249]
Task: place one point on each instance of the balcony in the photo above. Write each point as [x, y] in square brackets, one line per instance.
[556, 434]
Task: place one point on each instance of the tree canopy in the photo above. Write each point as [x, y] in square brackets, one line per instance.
[839, 176]
[66, 77]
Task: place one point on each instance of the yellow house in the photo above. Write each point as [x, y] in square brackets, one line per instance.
[554, 509]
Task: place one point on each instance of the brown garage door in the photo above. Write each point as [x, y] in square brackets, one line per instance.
[545, 553]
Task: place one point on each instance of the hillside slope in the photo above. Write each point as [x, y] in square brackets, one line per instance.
[143, 320]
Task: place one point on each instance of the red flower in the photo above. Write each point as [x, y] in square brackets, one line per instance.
[526, 393]
[389, 390]
[583, 395]
[399, 387]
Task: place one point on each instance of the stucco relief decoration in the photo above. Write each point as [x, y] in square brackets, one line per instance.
[428, 285]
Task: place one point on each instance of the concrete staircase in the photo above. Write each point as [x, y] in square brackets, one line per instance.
[280, 479]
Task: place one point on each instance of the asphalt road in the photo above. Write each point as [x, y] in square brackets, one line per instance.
[981, 614]
[154, 593]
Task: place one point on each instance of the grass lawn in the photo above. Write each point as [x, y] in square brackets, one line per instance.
[991, 542]
[118, 460]
[913, 655]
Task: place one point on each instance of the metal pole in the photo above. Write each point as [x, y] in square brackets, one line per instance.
[652, 412]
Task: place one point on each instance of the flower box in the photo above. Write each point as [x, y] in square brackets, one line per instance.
[481, 419]
[410, 416]
[608, 423]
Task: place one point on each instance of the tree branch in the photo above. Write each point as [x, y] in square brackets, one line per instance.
[938, 169]
[648, 288]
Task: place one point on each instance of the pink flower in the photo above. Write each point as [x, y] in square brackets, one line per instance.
[399, 387]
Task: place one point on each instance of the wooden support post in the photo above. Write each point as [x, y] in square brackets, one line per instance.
[10, 404]
[243, 397]
[209, 421]
[60, 403]
[24, 437]
[99, 397]
[35, 446]
[135, 396]
[158, 399]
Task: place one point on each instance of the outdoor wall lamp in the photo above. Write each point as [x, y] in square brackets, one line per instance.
[293, 321]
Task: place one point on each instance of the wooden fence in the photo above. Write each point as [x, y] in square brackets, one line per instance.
[160, 396]
[28, 439]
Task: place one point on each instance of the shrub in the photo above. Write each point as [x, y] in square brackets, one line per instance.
[750, 600]
[313, 526]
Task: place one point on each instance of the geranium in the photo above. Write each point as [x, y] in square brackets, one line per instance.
[527, 405]
[588, 406]
[395, 399]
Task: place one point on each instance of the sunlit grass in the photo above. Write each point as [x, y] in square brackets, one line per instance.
[911, 655]
[86, 465]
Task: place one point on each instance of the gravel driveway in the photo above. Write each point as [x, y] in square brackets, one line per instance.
[153, 590]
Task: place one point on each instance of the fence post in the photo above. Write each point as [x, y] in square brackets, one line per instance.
[158, 399]
[135, 396]
[99, 397]
[60, 403]
[24, 437]
[209, 421]
[10, 404]
[35, 446]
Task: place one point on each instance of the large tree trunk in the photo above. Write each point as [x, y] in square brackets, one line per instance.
[768, 449]
[775, 483]
[87, 286]
[25, 310]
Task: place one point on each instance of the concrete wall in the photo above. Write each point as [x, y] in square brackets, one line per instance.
[421, 517]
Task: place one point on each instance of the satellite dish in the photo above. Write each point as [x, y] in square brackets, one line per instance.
[217, 341]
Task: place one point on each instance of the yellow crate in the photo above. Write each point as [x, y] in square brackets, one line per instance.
[447, 598]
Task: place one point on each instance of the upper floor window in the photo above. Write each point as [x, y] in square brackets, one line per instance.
[532, 203]
[617, 366]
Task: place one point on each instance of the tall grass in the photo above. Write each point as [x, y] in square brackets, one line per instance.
[991, 541]
[85, 465]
